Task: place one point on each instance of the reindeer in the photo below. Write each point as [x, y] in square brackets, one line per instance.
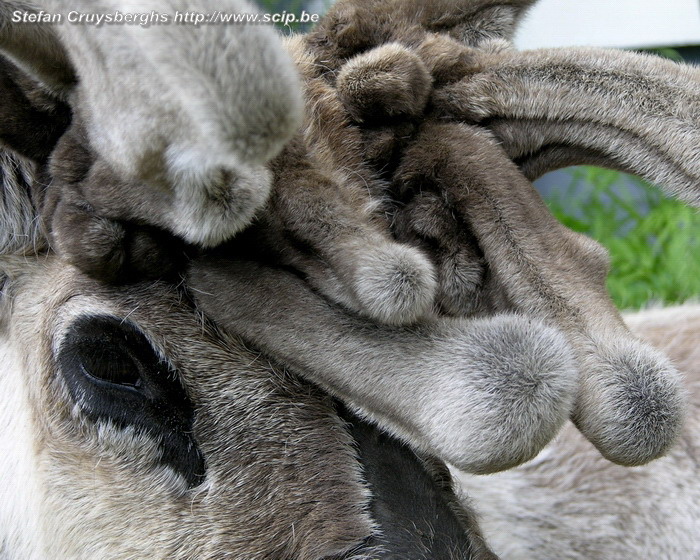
[185, 416]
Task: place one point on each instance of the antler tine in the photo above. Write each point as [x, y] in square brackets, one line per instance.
[166, 127]
[553, 108]
[186, 111]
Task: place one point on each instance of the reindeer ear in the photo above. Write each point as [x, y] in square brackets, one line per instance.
[31, 119]
[35, 48]
[34, 75]
[554, 108]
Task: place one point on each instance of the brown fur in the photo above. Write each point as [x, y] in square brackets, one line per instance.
[315, 225]
[524, 272]
[91, 225]
[481, 393]
[46, 60]
[354, 26]
[31, 120]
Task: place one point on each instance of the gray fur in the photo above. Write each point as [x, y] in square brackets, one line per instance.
[324, 226]
[483, 394]
[617, 371]
[36, 48]
[532, 263]
[570, 504]
[511, 256]
[634, 112]
[161, 108]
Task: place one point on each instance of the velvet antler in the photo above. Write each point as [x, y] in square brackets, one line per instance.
[553, 108]
[462, 199]
[630, 401]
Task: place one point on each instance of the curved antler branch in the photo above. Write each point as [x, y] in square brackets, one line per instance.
[554, 108]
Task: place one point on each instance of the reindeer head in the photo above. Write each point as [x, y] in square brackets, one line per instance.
[132, 427]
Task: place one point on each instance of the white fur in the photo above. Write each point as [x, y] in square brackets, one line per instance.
[206, 210]
[20, 481]
[517, 380]
[629, 380]
[395, 284]
[576, 506]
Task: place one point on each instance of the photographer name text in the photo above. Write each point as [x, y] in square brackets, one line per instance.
[146, 19]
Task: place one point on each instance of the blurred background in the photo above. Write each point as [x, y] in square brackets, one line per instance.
[653, 241]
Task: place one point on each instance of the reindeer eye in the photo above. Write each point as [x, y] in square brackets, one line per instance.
[113, 374]
[113, 367]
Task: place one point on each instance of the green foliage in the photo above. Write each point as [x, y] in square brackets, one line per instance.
[665, 52]
[653, 240]
[291, 6]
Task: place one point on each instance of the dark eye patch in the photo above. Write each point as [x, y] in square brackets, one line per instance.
[112, 366]
[113, 373]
